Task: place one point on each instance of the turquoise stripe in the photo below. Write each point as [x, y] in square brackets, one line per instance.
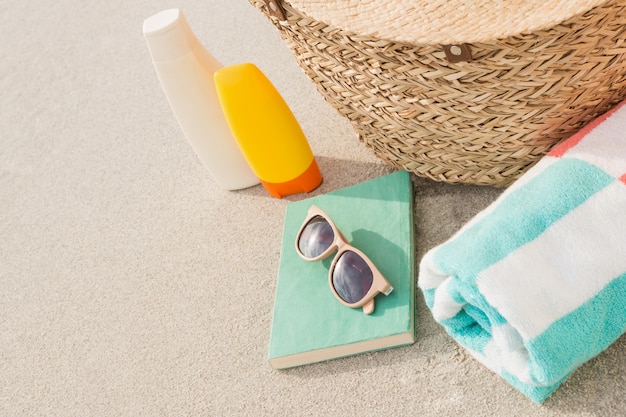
[520, 217]
[467, 332]
[581, 335]
[535, 393]
[471, 327]
[469, 296]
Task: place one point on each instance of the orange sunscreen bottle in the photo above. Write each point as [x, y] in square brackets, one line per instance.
[266, 130]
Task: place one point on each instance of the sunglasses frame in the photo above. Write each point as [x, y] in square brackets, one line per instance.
[341, 244]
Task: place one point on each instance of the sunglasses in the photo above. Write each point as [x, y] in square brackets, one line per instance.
[353, 278]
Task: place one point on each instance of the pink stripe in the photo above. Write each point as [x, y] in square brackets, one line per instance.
[560, 149]
[623, 178]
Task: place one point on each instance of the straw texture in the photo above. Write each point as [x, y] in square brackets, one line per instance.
[480, 122]
[443, 21]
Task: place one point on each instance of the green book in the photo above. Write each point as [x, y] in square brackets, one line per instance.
[309, 324]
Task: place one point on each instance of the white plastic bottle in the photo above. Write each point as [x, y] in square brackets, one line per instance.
[185, 69]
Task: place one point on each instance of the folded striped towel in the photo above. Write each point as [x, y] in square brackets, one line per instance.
[535, 284]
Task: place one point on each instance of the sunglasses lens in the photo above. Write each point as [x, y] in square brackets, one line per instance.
[352, 277]
[316, 237]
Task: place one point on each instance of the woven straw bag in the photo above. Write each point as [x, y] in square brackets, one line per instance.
[461, 91]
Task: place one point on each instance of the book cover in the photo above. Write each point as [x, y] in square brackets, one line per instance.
[309, 324]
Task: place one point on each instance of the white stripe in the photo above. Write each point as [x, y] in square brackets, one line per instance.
[564, 267]
[605, 145]
[514, 362]
[444, 307]
[506, 337]
[430, 277]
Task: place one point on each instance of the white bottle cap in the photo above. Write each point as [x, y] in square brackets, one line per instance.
[168, 35]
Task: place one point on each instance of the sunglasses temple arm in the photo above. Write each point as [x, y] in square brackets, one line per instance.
[387, 290]
[384, 286]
